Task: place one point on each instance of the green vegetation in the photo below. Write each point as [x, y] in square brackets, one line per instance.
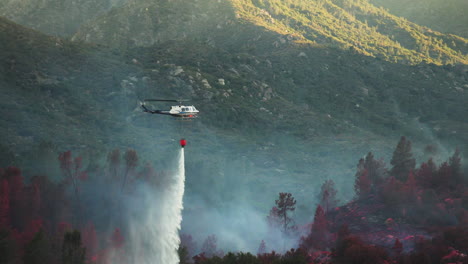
[356, 25]
[444, 16]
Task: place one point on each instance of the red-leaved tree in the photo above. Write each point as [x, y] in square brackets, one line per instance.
[319, 236]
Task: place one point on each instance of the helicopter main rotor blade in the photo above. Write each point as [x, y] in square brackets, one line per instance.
[160, 100]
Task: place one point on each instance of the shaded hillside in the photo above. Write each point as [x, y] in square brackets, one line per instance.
[54, 17]
[345, 24]
[313, 104]
[440, 15]
[312, 92]
[53, 87]
[257, 88]
[144, 23]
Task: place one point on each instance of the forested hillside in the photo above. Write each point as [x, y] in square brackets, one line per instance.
[440, 15]
[355, 25]
[291, 95]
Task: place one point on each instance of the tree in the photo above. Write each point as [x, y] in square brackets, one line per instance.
[131, 161]
[8, 246]
[425, 175]
[244, 258]
[444, 178]
[4, 203]
[293, 256]
[375, 168]
[38, 250]
[410, 187]
[72, 249]
[262, 248]
[455, 165]
[318, 237]
[209, 247]
[90, 240]
[183, 255]
[402, 160]
[54, 203]
[320, 220]
[117, 239]
[18, 199]
[113, 158]
[362, 185]
[328, 195]
[71, 169]
[279, 214]
[397, 247]
[392, 193]
[186, 241]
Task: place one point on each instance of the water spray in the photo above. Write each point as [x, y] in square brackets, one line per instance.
[156, 219]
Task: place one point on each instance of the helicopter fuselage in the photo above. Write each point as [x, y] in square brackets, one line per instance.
[177, 111]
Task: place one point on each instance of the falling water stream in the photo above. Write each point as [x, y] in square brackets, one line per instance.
[154, 234]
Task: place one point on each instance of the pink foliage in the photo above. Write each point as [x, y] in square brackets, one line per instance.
[319, 236]
[454, 256]
[321, 257]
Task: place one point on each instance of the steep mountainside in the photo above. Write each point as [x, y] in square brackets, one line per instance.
[55, 17]
[346, 24]
[444, 16]
[357, 25]
[307, 92]
[276, 114]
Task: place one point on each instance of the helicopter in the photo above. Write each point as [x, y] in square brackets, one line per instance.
[180, 111]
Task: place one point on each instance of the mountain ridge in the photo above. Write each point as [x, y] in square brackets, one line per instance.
[359, 26]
